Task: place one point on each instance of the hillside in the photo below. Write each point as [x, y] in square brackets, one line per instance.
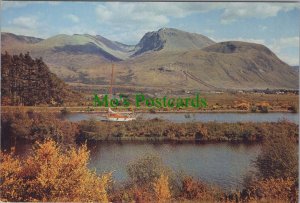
[248, 66]
[10, 38]
[168, 58]
[27, 81]
[170, 39]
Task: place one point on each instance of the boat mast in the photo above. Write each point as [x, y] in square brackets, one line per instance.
[111, 85]
[111, 80]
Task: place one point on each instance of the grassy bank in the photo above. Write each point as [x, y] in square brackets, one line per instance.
[158, 130]
[34, 126]
[216, 109]
[224, 102]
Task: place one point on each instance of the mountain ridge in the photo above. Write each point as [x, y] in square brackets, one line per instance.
[171, 39]
[163, 57]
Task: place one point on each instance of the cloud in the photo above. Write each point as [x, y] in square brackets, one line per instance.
[291, 60]
[24, 31]
[29, 22]
[72, 17]
[279, 46]
[130, 20]
[236, 11]
[262, 27]
[138, 16]
[78, 29]
[54, 3]
[19, 4]
[209, 31]
[287, 42]
[135, 19]
[13, 4]
[28, 26]
[122, 13]
[160, 12]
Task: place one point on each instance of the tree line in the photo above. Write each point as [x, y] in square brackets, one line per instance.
[27, 81]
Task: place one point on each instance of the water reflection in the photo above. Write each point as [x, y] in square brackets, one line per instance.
[223, 164]
[220, 164]
[204, 117]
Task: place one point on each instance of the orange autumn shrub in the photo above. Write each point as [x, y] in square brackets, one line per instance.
[162, 189]
[196, 190]
[50, 174]
[37, 126]
[275, 189]
[278, 158]
[11, 186]
[156, 191]
[132, 193]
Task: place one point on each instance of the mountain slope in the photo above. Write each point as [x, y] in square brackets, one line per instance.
[87, 44]
[66, 54]
[164, 58]
[170, 39]
[12, 38]
[228, 65]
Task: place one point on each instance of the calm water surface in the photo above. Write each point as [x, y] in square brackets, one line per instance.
[220, 164]
[223, 165]
[204, 117]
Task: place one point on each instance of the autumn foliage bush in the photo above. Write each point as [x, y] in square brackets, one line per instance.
[146, 169]
[37, 126]
[278, 158]
[277, 171]
[162, 189]
[196, 190]
[51, 174]
[149, 181]
[272, 190]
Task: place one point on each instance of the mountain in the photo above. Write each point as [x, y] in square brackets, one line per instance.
[69, 56]
[296, 68]
[225, 65]
[87, 44]
[27, 81]
[15, 39]
[167, 58]
[71, 44]
[170, 39]
[17, 43]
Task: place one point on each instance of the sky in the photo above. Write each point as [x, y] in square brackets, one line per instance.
[276, 25]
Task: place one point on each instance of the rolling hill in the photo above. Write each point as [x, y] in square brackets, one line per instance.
[168, 58]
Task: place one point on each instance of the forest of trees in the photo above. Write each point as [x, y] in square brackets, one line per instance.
[26, 81]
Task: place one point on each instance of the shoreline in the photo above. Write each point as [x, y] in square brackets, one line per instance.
[201, 132]
[38, 126]
[154, 111]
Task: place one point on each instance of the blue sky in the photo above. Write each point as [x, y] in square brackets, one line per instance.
[275, 25]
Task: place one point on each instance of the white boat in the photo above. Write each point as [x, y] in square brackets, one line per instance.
[118, 116]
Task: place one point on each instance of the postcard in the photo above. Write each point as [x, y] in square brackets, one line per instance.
[183, 101]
